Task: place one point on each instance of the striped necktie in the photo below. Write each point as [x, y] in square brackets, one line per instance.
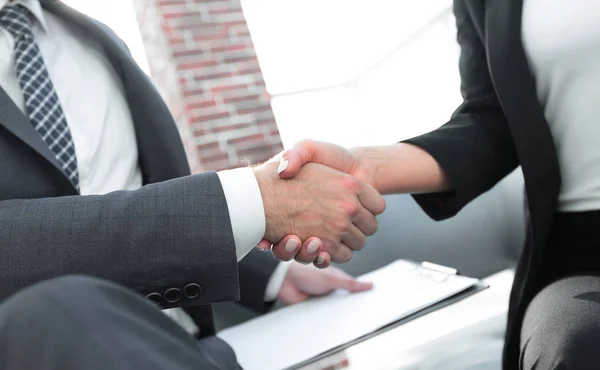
[41, 101]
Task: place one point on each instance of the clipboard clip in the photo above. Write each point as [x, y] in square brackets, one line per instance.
[435, 272]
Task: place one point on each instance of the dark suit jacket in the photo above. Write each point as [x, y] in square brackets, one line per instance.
[499, 126]
[173, 232]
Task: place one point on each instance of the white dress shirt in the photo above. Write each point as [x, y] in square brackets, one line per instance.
[93, 100]
[562, 42]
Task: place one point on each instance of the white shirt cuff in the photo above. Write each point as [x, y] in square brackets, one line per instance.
[246, 210]
[275, 281]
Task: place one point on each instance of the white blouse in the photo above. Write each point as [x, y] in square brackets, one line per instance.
[562, 42]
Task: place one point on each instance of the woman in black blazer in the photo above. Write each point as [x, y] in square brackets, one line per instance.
[554, 315]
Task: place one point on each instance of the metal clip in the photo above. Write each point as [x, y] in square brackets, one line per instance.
[436, 272]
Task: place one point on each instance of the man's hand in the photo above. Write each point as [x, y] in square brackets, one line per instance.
[303, 282]
[321, 202]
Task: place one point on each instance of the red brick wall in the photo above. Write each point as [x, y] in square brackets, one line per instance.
[202, 59]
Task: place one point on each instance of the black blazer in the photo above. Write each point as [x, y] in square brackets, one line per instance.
[167, 235]
[499, 126]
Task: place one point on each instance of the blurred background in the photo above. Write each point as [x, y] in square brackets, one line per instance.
[247, 78]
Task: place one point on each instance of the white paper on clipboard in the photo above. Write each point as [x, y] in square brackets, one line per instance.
[295, 334]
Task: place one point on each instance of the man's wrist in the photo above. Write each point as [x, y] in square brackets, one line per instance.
[245, 207]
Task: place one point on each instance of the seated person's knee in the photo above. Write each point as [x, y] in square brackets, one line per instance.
[562, 328]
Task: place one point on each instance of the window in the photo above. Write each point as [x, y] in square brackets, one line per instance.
[357, 72]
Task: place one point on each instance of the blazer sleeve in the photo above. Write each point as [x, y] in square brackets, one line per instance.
[157, 239]
[475, 147]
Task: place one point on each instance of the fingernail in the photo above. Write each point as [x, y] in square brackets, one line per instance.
[291, 245]
[282, 166]
[313, 246]
[320, 260]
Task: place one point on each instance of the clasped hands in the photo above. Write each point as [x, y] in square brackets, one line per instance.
[320, 203]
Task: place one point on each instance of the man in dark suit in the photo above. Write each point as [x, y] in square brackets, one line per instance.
[94, 181]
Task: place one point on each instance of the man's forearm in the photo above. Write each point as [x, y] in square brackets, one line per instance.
[402, 168]
[162, 236]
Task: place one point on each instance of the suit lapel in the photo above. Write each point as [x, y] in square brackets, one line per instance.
[516, 90]
[161, 153]
[13, 120]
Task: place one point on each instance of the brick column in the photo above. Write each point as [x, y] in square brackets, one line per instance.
[203, 61]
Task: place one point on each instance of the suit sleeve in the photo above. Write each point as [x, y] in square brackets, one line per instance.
[475, 148]
[161, 237]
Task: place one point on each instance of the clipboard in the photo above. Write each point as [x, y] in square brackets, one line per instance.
[425, 287]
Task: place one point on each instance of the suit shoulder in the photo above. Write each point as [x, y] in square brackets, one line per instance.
[112, 34]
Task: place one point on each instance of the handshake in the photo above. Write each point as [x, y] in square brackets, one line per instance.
[320, 202]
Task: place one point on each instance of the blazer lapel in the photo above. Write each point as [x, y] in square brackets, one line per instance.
[516, 90]
[13, 120]
[161, 153]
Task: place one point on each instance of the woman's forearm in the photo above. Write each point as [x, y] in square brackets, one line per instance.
[402, 168]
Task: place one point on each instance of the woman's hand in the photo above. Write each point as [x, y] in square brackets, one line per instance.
[327, 154]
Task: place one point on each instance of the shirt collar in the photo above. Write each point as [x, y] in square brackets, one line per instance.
[34, 7]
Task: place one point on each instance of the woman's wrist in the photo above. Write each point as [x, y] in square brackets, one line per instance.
[401, 168]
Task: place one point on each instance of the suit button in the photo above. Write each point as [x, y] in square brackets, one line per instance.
[192, 291]
[155, 297]
[173, 295]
